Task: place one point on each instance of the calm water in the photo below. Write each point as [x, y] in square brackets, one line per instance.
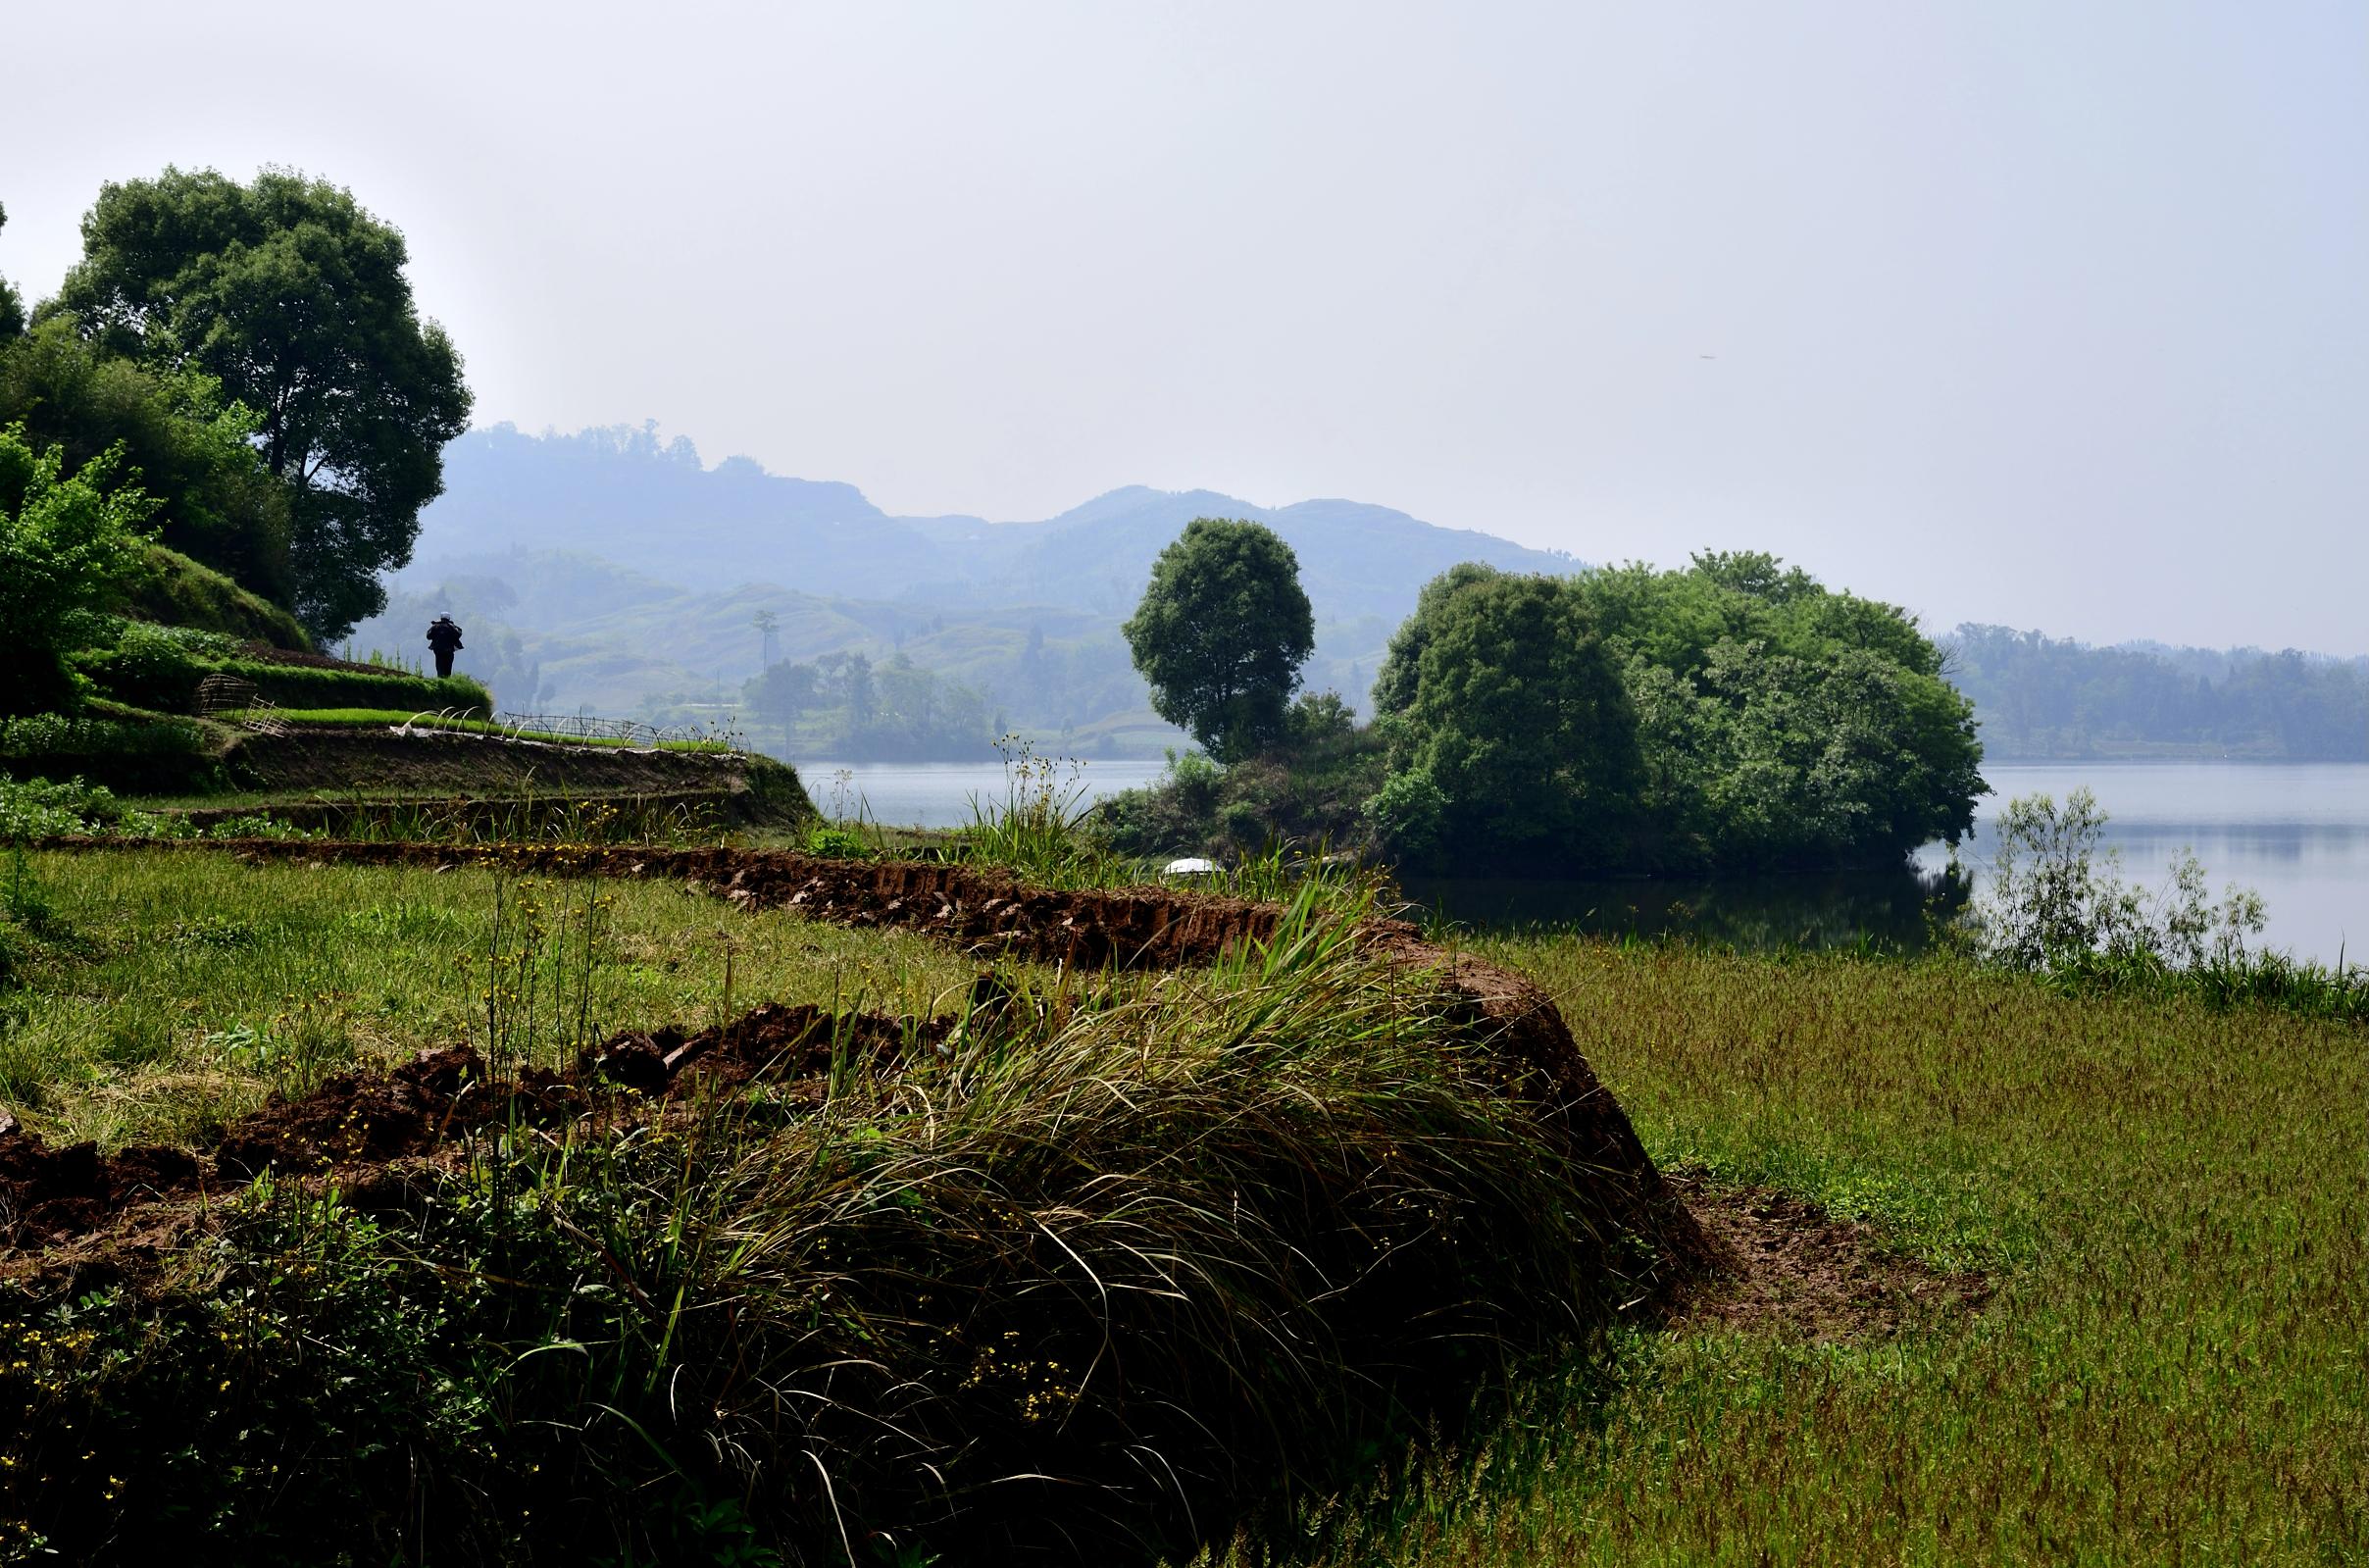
[938, 794]
[2295, 832]
[2298, 834]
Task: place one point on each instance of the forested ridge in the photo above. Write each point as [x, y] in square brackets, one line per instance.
[2041, 696]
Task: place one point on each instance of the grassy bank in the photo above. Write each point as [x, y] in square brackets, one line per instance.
[1120, 1262]
[388, 718]
[158, 991]
[2170, 1198]
[2169, 1194]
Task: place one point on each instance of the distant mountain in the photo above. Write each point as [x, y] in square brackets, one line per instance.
[623, 496]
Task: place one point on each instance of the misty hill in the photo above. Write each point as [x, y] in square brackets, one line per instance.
[624, 496]
[561, 631]
[2047, 697]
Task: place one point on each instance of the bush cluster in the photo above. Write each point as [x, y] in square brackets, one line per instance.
[1730, 716]
[144, 753]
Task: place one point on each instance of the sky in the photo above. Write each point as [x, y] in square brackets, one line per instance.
[2049, 314]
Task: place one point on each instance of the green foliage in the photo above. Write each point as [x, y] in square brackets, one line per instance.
[1733, 715]
[152, 666]
[834, 842]
[148, 753]
[1221, 634]
[170, 589]
[181, 443]
[2045, 697]
[12, 307]
[65, 541]
[2057, 898]
[48, 808]
[1307, 790]
[294, 299]
[1520, 721]
[1410, 813]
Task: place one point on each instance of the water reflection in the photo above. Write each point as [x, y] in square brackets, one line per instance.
[2298, 834]
[1806, 910]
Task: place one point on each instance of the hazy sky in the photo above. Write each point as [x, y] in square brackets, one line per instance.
[2053, 313]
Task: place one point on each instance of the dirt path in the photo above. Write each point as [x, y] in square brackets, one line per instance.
[1790, 1268]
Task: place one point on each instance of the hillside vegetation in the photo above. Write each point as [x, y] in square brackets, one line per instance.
[2048, 697]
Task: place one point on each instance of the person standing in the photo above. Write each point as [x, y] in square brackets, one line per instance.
[445, 639]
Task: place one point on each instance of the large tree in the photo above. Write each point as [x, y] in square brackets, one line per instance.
[294, 297]
[1221, 634]
[1514, 720]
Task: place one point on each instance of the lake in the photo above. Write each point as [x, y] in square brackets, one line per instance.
[2295, 832]
[938, 794]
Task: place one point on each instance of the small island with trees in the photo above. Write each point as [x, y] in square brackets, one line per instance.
[1735, 714]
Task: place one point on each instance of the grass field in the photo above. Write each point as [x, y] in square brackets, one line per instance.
[2172, 1202]
[164, 991]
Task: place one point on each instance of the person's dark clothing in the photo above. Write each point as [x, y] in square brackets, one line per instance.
[444, 641]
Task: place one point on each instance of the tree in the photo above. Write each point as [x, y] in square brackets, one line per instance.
[1395, 681]
[192, 453]
[1221, 632]
[65, 541]
[1517, 729]
[781, 695]
[765, 621]
[294, 297]
[12, 308]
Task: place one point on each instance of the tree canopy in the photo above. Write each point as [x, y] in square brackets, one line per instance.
[66, 538]
[192, 452]
[292, 297]
[2048, 697]
[1733, 714]
[1221, 632]
[1516, 715]
[12, 307]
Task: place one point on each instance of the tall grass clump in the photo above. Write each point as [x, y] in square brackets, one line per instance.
[1101, 1278]
[2056, 906]
[1039, 828]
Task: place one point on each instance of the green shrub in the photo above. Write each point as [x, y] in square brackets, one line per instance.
[154, 754]
[65, 541]
[151, 665]
[834, 842]
[44, 808]
[300, 685]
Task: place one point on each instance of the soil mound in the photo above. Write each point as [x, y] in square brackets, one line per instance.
[360, 1120]
[987, 911]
